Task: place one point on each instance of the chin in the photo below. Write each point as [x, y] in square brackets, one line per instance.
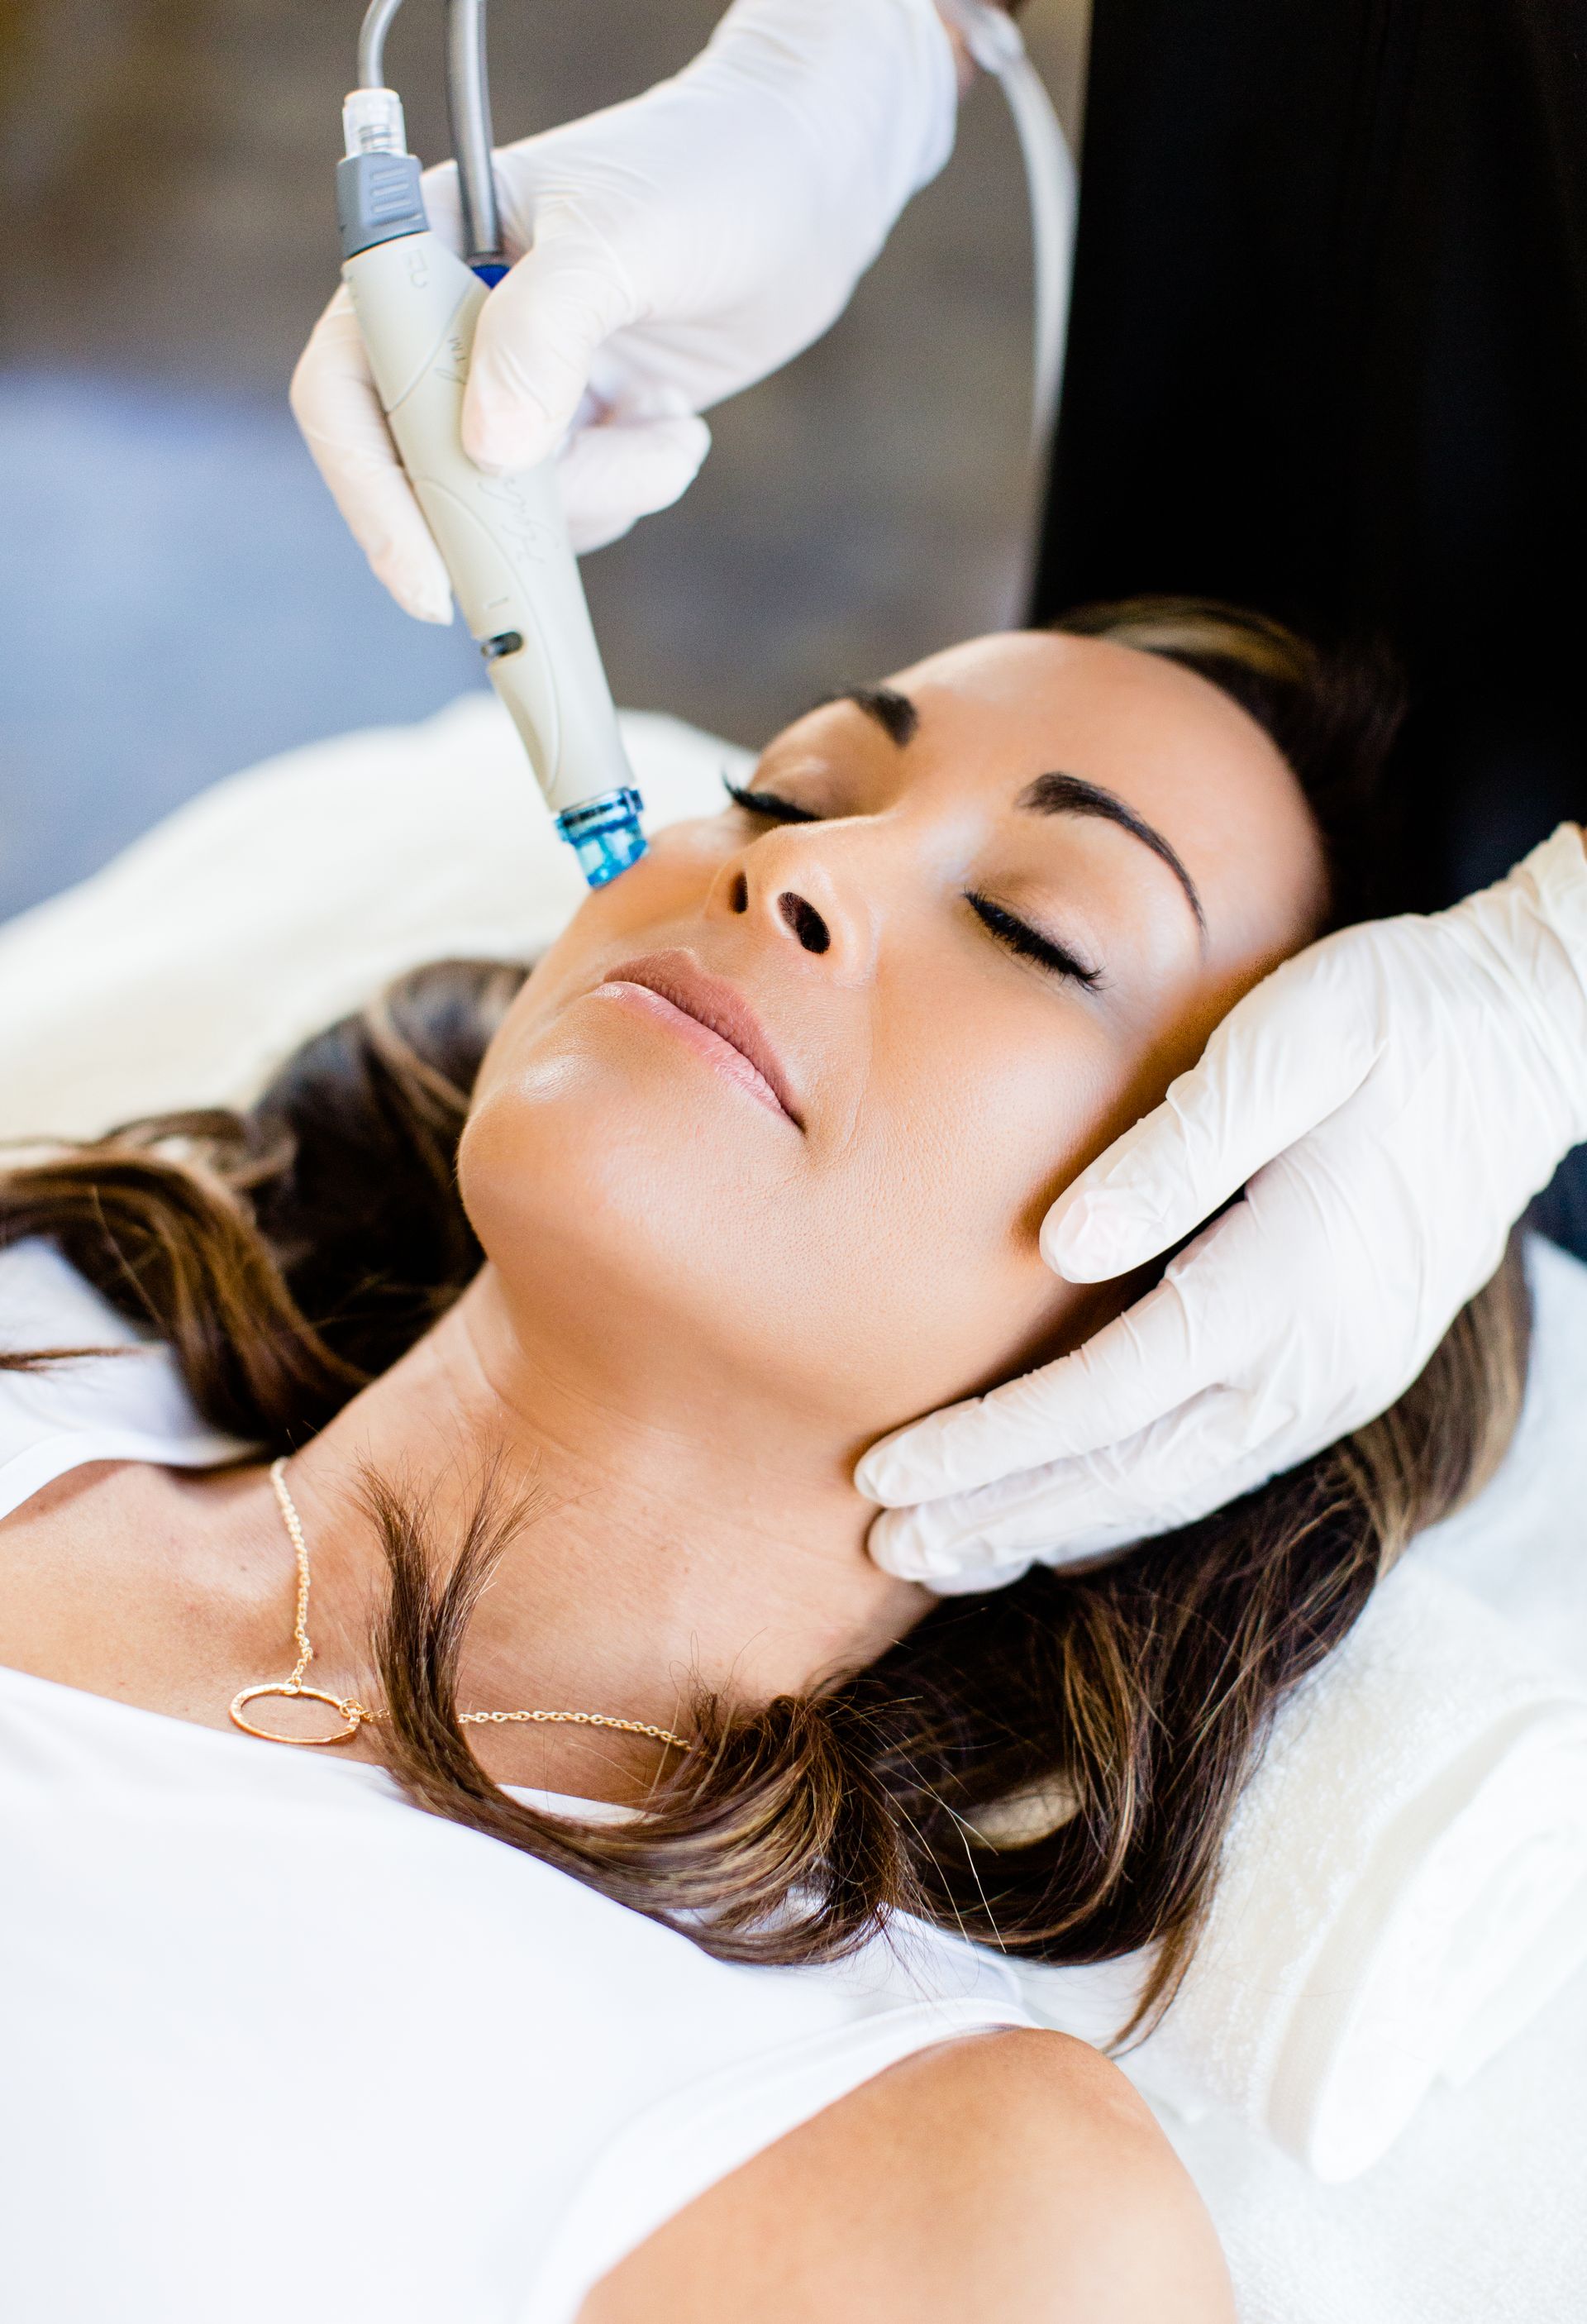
[635, 1210]
[611, 1199]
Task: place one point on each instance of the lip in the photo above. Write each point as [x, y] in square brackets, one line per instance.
[702, 1005]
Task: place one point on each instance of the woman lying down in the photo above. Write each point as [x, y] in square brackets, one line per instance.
[520, 1346]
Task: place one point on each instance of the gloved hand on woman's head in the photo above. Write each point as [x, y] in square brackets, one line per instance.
[684, 244]
[1389, 1100]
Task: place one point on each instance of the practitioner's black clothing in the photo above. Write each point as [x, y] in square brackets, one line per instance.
[1328, 357]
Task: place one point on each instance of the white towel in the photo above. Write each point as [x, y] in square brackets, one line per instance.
[1403, 1887]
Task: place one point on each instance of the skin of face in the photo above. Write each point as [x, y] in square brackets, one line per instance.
[878, 1257]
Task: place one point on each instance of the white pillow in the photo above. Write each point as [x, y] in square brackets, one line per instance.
[285, 896]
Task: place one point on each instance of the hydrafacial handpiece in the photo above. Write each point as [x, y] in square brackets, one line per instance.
[503, 537]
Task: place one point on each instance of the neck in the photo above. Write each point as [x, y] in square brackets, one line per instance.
[677, 1536]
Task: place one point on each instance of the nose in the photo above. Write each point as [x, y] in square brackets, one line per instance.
[784, 883]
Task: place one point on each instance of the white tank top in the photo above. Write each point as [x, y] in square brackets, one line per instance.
[274, 2044]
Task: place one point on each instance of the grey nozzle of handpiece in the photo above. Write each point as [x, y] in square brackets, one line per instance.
[378, 199]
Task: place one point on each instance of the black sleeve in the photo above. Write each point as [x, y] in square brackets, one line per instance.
[1328, 356]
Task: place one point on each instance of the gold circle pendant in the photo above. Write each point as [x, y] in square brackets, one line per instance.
[290, 1694]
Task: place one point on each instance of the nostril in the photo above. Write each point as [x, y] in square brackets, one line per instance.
[738, 895]
[805, 920]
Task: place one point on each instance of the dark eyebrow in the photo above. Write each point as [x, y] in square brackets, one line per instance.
[893, 712]
[1069, 795]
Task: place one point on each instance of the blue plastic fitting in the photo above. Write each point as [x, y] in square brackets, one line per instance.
[605, 833]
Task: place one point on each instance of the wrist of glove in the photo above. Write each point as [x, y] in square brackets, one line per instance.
[670, 252]
[1389, 1101]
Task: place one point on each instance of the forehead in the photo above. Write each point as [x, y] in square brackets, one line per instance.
[998, 711]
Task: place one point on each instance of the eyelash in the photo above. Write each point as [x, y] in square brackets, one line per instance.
[1017, 935]
[768, 803]
[1021, 937]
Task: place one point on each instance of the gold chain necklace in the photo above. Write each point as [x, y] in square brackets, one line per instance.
[357, 1714]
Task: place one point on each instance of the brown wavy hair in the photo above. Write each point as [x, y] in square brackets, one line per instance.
[1049, 1767]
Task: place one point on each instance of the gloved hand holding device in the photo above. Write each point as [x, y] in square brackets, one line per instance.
[685, 245]
[1389, 1100]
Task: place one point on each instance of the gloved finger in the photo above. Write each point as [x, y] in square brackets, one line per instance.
[1070, 1512]
[975, 1581]
[538, 333]
[944, 1544]
[1141, 1366]
[617, 471]
[443, 204]
[335, 405]
[1288, 1055]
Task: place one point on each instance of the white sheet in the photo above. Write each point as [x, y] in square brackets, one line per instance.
[284, 896]
[1479, 2215]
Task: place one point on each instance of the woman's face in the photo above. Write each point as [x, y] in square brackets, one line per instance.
[787, 1103]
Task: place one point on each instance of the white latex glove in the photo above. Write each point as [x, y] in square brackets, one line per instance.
[685, 245]
[1389, 1100]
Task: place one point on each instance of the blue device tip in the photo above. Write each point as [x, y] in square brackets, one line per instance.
[605, 833]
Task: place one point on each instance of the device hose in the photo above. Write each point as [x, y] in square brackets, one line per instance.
[994, 42]
[468, 102]
[372, 43]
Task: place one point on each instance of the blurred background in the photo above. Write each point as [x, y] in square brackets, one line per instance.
[177, 596]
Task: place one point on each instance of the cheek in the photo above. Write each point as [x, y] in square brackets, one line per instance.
[980, 1108]
[629, 1221]
[1003, 1098]
[634, 1205]
[648, 907]
[668, 884]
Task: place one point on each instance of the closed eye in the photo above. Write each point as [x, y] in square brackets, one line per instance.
[1017, 935]
[1030, 943]
[768, 804]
